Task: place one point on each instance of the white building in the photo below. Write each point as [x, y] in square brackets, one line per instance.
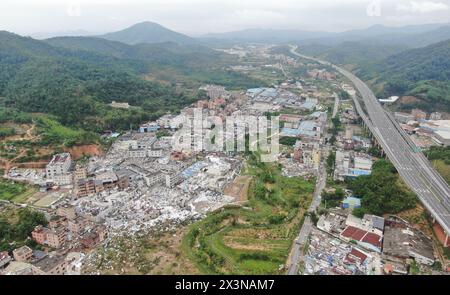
[155, 153]
[153, 178]
[173, 179]
[59, 164]
[58, 169]
[137, 152]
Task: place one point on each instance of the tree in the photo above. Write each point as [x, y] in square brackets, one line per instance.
[382, 192]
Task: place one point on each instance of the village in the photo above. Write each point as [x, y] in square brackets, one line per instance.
[146, 181]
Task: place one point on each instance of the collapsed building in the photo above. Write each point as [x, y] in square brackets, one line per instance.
[403, 241]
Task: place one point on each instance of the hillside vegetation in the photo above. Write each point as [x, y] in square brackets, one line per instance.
[423, 72]
[75, 78]
[254, 239]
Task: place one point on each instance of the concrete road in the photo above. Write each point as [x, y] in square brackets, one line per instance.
[297, 249]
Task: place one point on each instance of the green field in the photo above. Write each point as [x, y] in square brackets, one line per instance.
[12, 191]
[54, 132]
[254, 239]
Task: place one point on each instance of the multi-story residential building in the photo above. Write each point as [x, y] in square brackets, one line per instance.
[155, 153]
[124, 178]
[68, 211]
[60, 164]
[173, 179]
[54, 238]
[80, 173]
[39, 234]
[58, 169]
[435, 116]
[86, 187]
[77, 226]
[52, 265]
[23, 254]
[153, 178]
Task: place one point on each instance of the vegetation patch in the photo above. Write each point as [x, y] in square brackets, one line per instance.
[256, 238]
[16, 226]
[382, 192]
[10, 190]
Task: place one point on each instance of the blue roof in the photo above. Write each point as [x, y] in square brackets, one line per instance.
[193, 169]
[255, 90]
[359, 138]
[359, 172]
[290, 132]
[352, 200]
[309, 105]
[269, 92]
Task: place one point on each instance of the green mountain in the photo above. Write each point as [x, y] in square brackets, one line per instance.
[75, 85]
[422, 72]
[74, 78]
[189, 64]
[150, 33]
[353, 52]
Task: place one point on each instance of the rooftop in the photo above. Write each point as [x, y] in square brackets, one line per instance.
[48, 263]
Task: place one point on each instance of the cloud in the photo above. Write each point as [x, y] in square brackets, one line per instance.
[422, 7]
[73, 9]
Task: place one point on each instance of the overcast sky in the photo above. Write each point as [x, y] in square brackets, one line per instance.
[195, 17]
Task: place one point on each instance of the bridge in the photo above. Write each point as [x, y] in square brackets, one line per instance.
[414, 168]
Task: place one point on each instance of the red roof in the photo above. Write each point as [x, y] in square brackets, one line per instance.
[357, 234]
[356, 253]
[373, 239]
[353, 233]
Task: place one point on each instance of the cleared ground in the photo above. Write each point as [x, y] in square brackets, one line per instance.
[255, 238]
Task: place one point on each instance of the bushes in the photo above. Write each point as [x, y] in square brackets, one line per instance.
[439, 153]
[254, 256]
[9, 189]
[19, 231]
[382, 192]
[333, 199]
[290, 141]
[7, 131]
[276, 218]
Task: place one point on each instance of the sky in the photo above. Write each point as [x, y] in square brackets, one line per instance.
[197, 17]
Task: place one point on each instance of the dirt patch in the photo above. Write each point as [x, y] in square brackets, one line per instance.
[408, 99]
[31, 165]
[239, 188]
[79, 152]
[416, 217]
[234, 244]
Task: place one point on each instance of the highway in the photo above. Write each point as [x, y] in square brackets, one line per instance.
[411, 164]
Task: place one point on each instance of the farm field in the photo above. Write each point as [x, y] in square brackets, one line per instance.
[255, 238]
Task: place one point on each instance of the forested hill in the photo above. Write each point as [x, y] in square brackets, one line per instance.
[424, 72]
[76, 84]
[161, 54]
[75, 78]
